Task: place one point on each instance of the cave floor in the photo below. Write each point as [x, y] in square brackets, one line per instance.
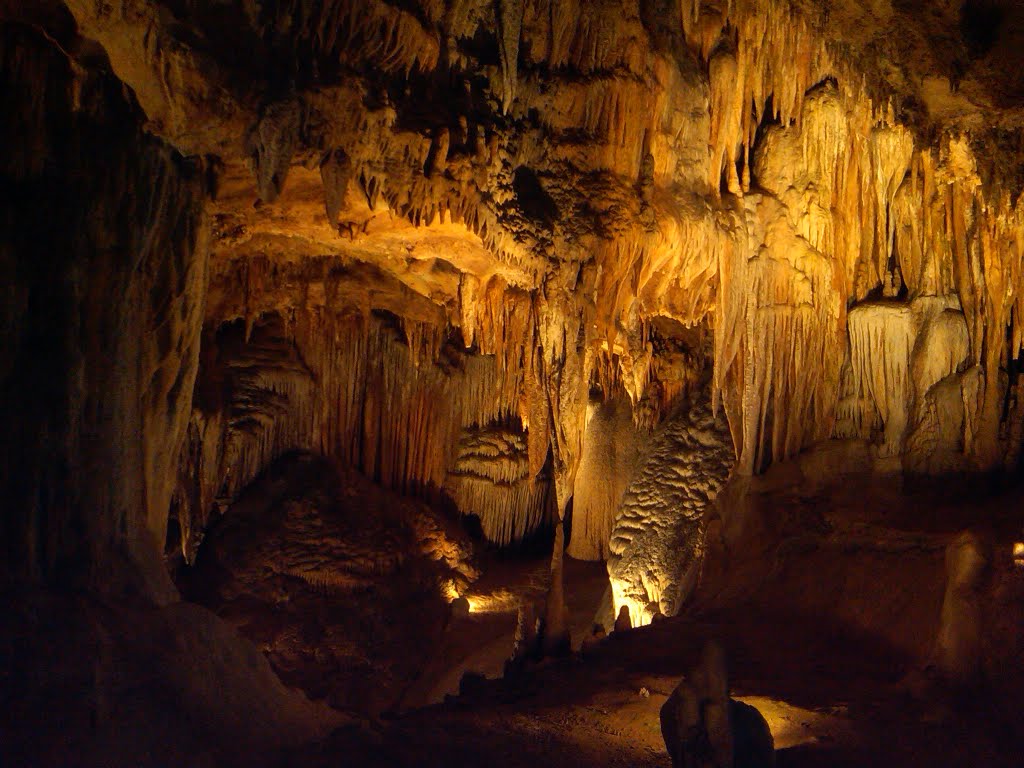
[831, 699]
[483, 641]
[825, 607]
[838, 691]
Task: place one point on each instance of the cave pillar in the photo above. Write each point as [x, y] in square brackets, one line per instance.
[563, 370]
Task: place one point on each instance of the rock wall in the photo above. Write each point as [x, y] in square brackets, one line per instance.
[741, 165]
[540, 184]
[322, 363]
[103, 251]
[103, 268]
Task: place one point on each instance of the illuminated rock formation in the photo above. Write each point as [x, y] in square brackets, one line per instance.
[656, 546]
[491, 479]
[483, 252]
[727, 163]
[611, 449]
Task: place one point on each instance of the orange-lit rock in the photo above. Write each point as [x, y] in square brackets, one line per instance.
[510, 258]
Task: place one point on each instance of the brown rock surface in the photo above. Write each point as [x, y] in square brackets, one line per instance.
[428, 240]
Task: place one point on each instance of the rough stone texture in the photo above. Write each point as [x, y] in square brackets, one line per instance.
[703, 727]
[392, 396]
[611, 447]
[899, 351]
[389, 229]
[103, 248]
[103, 257]
[657, 544]
[340, 583]
[958, 655]
[489, 461]
[763, 165]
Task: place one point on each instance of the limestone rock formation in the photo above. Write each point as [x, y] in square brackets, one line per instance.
[335, 579]
[657, 543]
[702, 726]
[483, 252]
[101, 320]
[957, 655]
[612, 446]
[462, 178]
[525, 645]
[491, 479]
[544, 195]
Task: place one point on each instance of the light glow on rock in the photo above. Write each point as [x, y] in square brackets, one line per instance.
[498, 601]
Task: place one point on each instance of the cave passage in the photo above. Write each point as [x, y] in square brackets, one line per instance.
[511, 382]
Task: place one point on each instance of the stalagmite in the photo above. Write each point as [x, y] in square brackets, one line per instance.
[958, 647]
[623, 623]
[555, 637]
[524, 646]
[703, 726]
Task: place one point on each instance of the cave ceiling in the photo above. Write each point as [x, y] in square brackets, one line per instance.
[510, 138]
[758, 166]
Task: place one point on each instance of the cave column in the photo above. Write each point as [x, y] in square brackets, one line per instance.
[562, 358]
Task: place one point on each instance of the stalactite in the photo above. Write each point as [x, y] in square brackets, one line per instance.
[881, 340]
[830, 204]
[727, 102]
[585, 39]
[509, 25]
[778, 345]
[270, 145]
[491, 479]
[386, 393]
[349, 30]
[335, 171]
[611, 447]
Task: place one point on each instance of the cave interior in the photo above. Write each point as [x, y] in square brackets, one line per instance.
[511, 383]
